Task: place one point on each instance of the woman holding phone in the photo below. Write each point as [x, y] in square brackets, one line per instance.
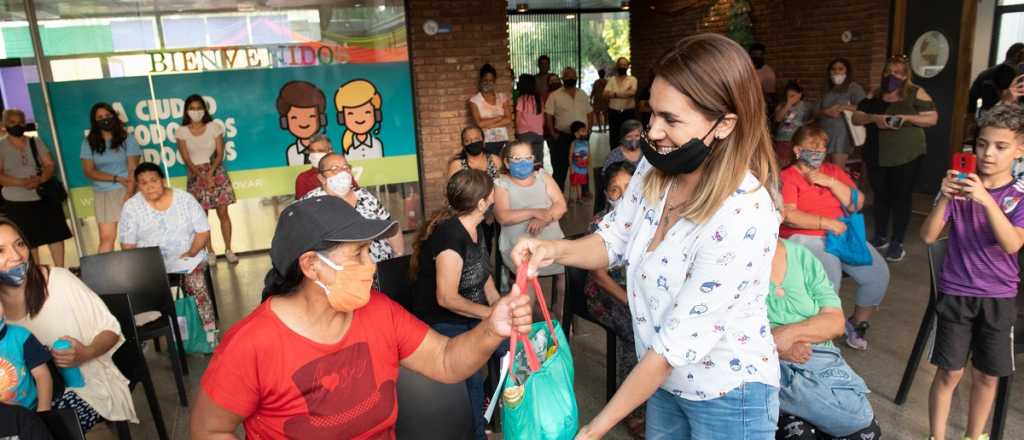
[697, 228]
[901, 112]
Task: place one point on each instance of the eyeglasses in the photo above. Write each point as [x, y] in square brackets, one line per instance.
[521, 158]
[337, 169]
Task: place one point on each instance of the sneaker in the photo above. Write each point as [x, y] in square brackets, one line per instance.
[211, 259]
[231, 257]
[880, 243]
[895, 252]
[855, 335]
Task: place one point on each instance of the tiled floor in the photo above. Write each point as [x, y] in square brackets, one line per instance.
[891, 336]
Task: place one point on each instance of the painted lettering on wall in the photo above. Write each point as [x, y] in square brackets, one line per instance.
[242, 57]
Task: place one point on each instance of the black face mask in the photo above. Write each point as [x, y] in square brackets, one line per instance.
[16, 130]
[683, 160]
[105, 123]
[621, 71]
[758, 62]
[569, 83]
[474, 148]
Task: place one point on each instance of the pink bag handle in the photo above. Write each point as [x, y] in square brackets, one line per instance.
[531, 357]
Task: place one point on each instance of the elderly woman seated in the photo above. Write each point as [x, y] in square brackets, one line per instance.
[175, 222]
[816, 194]
[820, 397]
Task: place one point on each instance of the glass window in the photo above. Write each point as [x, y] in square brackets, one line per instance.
[1011, 30]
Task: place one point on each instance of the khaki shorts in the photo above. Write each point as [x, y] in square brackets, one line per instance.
[108, 205]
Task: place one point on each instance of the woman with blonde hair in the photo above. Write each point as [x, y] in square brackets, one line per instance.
[359, 111]
[696, 228]
[904, 112]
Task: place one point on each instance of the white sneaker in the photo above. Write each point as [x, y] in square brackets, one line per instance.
[231, 257]
[211, 259]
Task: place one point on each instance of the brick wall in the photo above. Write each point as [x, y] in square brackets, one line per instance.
[445, 69]
[802, 36]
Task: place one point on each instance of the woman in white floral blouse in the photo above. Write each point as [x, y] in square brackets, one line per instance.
[336, 180]
[697, 228]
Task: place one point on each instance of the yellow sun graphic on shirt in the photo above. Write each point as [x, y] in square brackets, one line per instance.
[8, 380]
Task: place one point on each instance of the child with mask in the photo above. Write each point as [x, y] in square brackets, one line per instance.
[24, 377]
[815, 195]
[789, 116]
[979, 280]
[528, 203]
[579, 161]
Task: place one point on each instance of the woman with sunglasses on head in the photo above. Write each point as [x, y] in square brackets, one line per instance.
[109, 157]
[907, 110]
[528, 203]
[696, 229]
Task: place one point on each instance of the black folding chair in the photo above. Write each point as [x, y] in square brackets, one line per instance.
[393, 280]
[140, 274]
[600, 199]
[62, 424]
[576, 307]
[430, 410]
[936, 256]
[130, 360]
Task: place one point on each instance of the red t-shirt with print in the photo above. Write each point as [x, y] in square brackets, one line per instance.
[812, 199]
[287, 386]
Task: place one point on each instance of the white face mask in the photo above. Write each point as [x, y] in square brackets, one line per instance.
[340, 183]
[614, 203]
[196, 115]
[838, 79]
[314, 159]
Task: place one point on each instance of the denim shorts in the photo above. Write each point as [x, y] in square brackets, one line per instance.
[748, 412]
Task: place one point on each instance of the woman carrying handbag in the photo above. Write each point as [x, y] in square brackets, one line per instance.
[32, 195]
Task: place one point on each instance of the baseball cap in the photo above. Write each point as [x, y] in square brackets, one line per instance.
[305, 224]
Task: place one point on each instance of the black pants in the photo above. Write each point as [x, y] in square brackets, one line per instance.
[893, 187]
[615, 120]
[560, 157]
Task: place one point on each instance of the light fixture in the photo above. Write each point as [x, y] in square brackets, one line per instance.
[246, 7]
[522, 7]
[624, 5]
[570, 16]
[382, 8]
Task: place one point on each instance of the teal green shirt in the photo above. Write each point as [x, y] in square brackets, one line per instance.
[805, 288]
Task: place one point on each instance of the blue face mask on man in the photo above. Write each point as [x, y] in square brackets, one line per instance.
[14, 276]
[520, 169]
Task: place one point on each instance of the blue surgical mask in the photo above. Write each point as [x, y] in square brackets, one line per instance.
[520, 169]
[14, 276]
[812, 158]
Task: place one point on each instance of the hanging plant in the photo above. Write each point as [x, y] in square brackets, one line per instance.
[741, 29]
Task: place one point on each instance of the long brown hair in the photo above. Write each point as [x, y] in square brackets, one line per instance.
[465, 190]
[717, 75]
[35, 282]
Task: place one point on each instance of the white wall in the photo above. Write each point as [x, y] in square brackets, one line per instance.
[983, 37]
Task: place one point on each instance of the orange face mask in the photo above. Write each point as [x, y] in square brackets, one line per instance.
[350, 289]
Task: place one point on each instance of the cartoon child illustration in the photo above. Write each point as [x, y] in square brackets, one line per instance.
[302, 108]
[359, 111]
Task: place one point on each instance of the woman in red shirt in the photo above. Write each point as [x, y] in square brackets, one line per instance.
[814, 194]
[319, 358]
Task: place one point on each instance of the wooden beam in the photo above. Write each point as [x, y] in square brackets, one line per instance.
[968, 16]
[899, 26]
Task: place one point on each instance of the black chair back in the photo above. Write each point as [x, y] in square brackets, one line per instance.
[62, 424]
[139, 272]
[393, 280]
[430, 410]
[936, 257]
[126, 358]
[600, 184]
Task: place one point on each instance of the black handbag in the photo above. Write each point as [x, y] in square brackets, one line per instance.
[51, 191]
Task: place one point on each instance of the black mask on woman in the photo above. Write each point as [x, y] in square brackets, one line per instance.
[683, 160]
[474, 148]
[758, 62]
[16, 130]
[569, 83]
[621, 71]
[105, 123]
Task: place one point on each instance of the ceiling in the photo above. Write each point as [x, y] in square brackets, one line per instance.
[567, 4]
[50, 9]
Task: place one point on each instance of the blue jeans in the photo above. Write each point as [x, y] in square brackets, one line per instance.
[748, 412]
[474, 384]
[826, 392]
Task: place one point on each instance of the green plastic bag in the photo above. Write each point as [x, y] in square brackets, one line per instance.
[194, 336]
[545, 405]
